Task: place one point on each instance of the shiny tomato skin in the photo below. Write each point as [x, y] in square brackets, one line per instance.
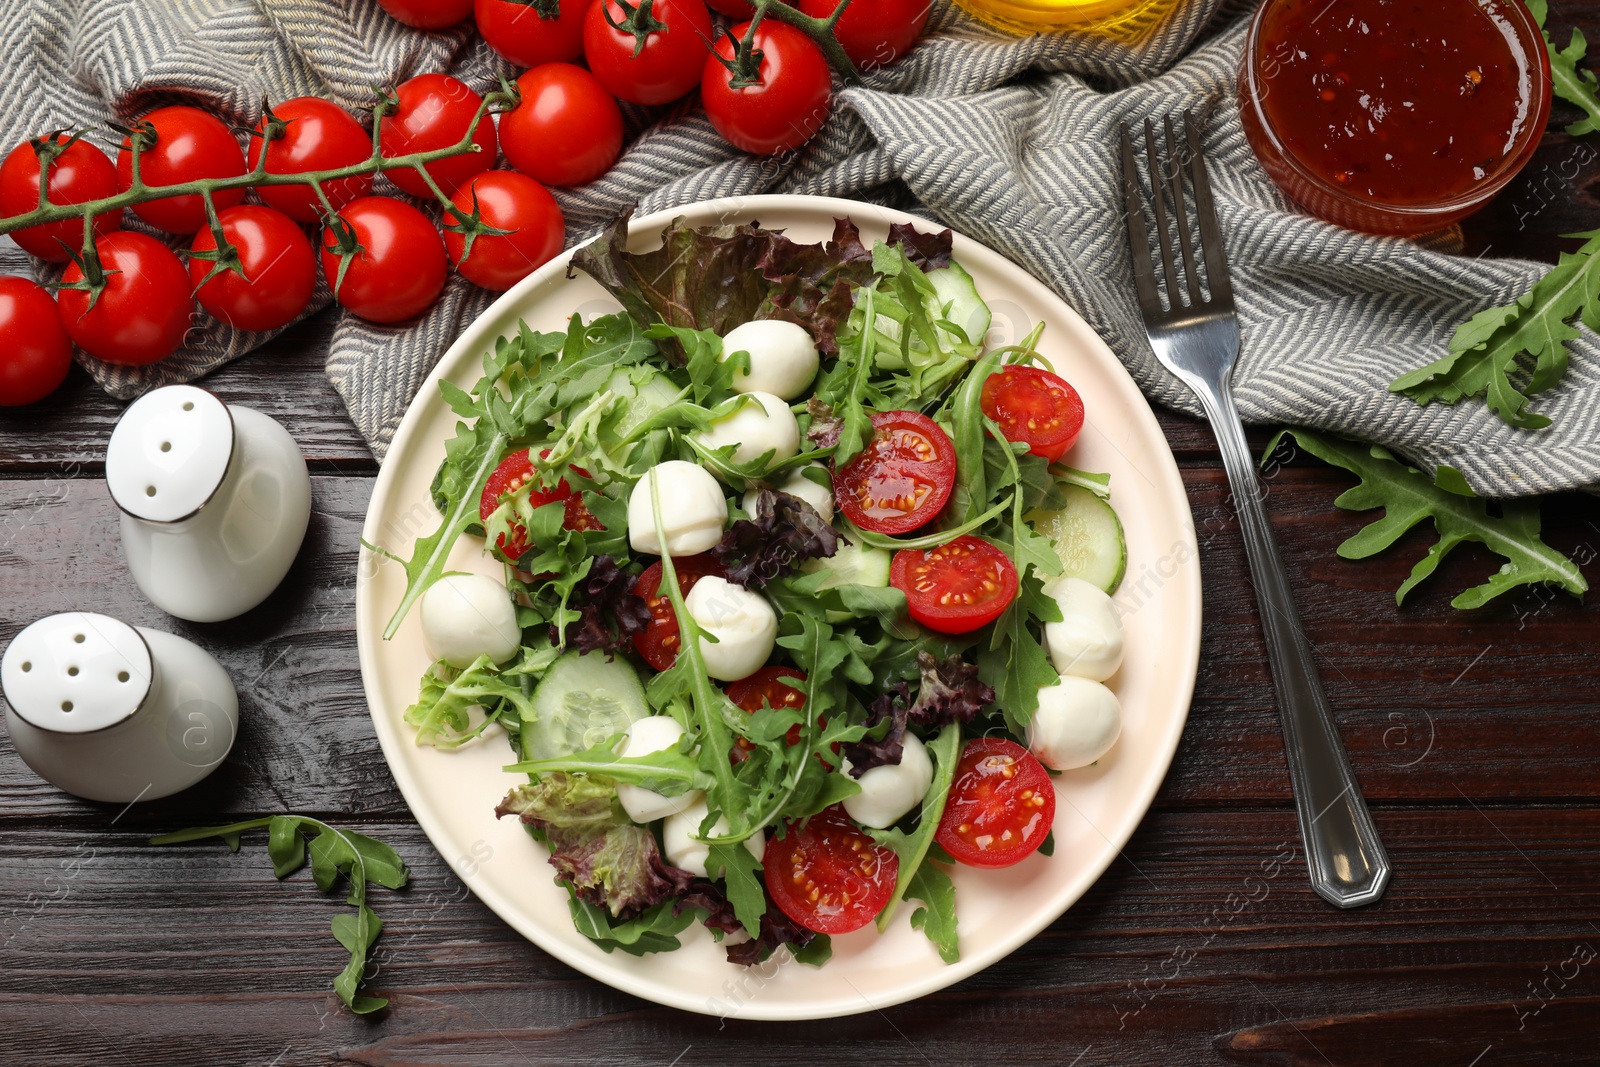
[786, 107]
[874, 33]
[280, 269]
[524, 36]
[902, 479]
[667, 67]
[1001, 805]
[35, 351]
[79, 174]
[660, 641]
[434, 112]
[829, 875]
[567, 130]
[1036, 407]
[190, 144]
[400, 269]
[737, 9]
[507, 200]
[321, 135]
[144, 310]
[955, 588]
[428, 14]
[512, 474]
[767, 688]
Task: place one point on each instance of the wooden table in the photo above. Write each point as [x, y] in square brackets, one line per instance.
[1474, 734]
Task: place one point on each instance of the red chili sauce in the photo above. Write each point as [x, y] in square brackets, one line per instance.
[1401, 102]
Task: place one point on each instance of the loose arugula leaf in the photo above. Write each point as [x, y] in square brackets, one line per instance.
[1408, 497]
[1570, 82]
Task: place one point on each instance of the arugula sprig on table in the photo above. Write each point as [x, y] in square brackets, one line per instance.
[334, 854]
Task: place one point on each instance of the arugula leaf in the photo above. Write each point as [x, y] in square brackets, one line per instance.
[449, 700]
[1015, 665]
[1570, 82]
[710, 376]
[669, 772]
[653, 930]
[1408, 497]
[739, 868]
[937, 916]
[912, 847]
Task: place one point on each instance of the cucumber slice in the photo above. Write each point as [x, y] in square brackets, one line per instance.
[582, 700]
[958, 293]
[639, 401]
[853, 564]
[1087, 536]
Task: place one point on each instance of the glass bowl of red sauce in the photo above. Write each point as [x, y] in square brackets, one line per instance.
[1394, 116]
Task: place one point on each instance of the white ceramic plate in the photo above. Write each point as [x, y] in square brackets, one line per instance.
[453, 794]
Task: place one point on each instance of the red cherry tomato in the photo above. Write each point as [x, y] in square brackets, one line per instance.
[145, 308]
[80, 173]
[877, 32]
[525, 35]
[512, 474]
[957, 587]
[428, 14]
[35, 352]
[784, 108]
[566, 131]
[660, 641]
[1036, 407]
[190, 144]
[507, 200]
[828, 875]
[320, 136]
[435, 111]
[399, 269]
[280, 270]
[767, 689]
[738, 9]
[670, 60]
[1001, 805]
[902, 478]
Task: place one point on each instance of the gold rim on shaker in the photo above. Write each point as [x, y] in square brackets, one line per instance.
[1128, 19]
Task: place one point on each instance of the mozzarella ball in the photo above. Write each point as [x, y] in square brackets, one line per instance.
[764, 426]
[1077, 722]
[797, 484]
[693, 509]
[1087, 642]
[888, 793]
[465, 616]
[679, 838]
[783, 358]
[743, 623]
[655, 733]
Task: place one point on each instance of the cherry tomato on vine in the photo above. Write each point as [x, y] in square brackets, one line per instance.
[874, 33]
[1001, 805]
[280, 270]
[506, 200]
[902, 478]
[435, 111]
[144, 309]
[784, 106]
[829, 875]
[738, 9]
[35, 352]
[957, 587]
[80, 173]
[1031, 405]
[318, 135]
[428, 14]
[397, 269]
[660, 641]
[528, 34]
[566, 131]
[512, 474]
[190, 145]
[669, 36]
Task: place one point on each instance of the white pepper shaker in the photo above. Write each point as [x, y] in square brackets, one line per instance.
[215, 500]
[115, 712]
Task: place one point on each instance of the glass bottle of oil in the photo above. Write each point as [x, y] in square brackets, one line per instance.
[1126, 19]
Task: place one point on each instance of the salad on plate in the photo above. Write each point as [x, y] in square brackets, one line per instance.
[803, 606]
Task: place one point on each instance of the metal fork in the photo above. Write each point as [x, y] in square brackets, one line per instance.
[1197, 339]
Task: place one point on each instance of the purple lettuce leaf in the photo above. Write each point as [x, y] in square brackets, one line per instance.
[949, 692]
[610, 613]
[785, 532]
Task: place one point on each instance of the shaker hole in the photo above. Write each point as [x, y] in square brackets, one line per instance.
[72, 672]
[188, 405]
[166, 446]
[66, 705]
[77, 639]
[122, 676]
[26, 667]
[149, 490]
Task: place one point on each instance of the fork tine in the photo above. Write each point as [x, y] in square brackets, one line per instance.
[1158, 205]
[1174, 155]
[1144, 276]
[1205, 210]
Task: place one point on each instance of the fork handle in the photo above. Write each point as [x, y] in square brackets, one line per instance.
[1347, 861]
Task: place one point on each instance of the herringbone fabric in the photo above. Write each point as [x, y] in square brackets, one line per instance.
[1009, 140]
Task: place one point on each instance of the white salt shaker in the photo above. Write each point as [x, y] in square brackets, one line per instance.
[115, 712]
[215, 500]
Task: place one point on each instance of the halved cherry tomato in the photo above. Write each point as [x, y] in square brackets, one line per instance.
[512, 474]
[957, 587]
[434, 112]
[660, 641]
[190, 144]
[80, 173]
[828, 875]
[902, 478]
[1032, 405]
[1001, 805]
[767, 689]
[318, 135]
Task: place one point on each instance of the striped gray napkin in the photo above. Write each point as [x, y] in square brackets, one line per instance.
[1009, 140]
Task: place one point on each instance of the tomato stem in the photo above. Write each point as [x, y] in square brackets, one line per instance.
[819, 30]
